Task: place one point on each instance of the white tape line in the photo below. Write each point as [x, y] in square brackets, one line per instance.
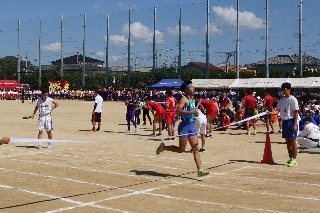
[34, 140]
[80, 204]
[260, 193]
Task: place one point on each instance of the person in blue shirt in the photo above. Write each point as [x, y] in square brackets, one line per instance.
[187, 131]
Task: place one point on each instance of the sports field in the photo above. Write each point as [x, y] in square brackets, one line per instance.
[122, 173]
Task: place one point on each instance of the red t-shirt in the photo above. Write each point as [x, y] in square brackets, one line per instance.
[268, 101]
[249, 101]
[171, 102]
[223, 102]
[226, 121]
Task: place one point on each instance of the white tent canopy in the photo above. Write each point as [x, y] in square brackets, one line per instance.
[311, 82]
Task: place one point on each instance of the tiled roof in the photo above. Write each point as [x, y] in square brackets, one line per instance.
[203, 65]
[76, 59]
[290, 59]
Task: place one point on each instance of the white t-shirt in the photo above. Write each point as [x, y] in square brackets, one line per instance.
[45, 107]
[287, 106]
[98, 100]
[311, 131]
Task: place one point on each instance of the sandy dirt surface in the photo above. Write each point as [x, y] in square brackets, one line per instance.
[122, 173]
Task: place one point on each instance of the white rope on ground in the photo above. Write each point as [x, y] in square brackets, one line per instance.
[231, 124]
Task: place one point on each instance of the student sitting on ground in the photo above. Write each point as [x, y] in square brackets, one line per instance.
[310, 135]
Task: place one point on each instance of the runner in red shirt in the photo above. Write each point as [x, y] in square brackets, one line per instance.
[250, 104]
[268, 106]
[224, 101]
[211, 110]
[170, 113]
[158, 113]
[225, 121]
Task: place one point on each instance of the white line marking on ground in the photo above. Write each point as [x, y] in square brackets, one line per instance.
[80, 204]
[212, 203]
[260, 193]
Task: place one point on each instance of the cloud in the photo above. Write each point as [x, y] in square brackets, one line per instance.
[142, 33]
[125, 7]
[116, 58]
[119, 40]
[227, 17]
[214, 29]
[100, 54]
[97, 5]
[185, 30]
[52, 47]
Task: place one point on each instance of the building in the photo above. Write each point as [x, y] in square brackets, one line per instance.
[288, 63]
[199, 66]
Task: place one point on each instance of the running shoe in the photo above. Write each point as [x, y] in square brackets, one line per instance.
[202, 149]
[292, 163]
[172, 138]
[255, 132]
[160, 148]
[248, 133]
[159, 134]
[93, 130]
[287, 163]
[202, 172]
[272, 132]
[128, 131]
[39, 146]
[136, 129]
[207, 136]
[144, 124]
[49, 145]
[280, 131]
[98, 129]
[153, 135]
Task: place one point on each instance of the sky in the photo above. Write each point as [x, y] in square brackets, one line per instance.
[283, 30]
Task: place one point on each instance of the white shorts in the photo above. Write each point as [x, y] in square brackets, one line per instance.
[200, 124]
[44, 123]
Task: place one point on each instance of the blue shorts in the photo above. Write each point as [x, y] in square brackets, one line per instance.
[287, 129]
[186, 129]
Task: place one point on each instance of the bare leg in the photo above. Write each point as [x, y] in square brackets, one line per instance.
[193, 140]
[179, 149]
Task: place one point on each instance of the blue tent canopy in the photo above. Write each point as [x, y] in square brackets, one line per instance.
[167, 84]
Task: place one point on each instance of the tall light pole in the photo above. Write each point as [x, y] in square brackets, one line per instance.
[238, 41]
[179, 57]
[61, 48]
[207, 41]
[40, 37]
[129, 40]
[154, 40]
[18, 65]
[107, 53]
[84, 52]
[300, 40]
[267, 43]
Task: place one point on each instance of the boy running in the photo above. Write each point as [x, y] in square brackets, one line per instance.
[187, 131]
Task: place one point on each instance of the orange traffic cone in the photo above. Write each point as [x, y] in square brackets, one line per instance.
[267, 155]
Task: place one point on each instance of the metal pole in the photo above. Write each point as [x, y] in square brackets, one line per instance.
[107, 53]
[154, 40]
[300, 40]
[179, 57]
[18, 66]
[207, 41]
[129, 69]
[40, 37]
[267, 43]
[238, 42]
[84, 52]
[61, 54]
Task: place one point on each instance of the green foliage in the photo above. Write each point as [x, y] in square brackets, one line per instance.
[8, 70]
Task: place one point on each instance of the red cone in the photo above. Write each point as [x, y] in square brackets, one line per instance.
[267, 155]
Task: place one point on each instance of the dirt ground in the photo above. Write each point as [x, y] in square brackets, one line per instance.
[122, 173]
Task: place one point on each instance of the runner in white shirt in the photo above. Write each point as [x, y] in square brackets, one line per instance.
[200, 123]
[310, 135]
[44, 105]
[96, 113]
